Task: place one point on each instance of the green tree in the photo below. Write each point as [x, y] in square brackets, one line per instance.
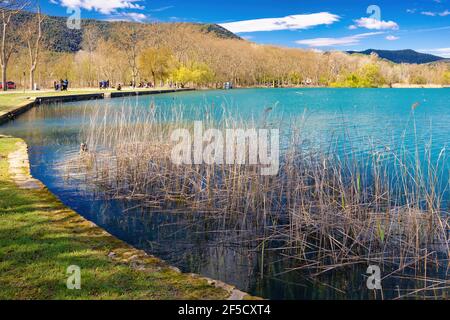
[198, 74]
[155, 63]
[371, 76]
[295, 78]
[201, 74]
[446, 78]
[418, 79]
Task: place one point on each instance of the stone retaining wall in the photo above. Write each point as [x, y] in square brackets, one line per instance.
[79, 97]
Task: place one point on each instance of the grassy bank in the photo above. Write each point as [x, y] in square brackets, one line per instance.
[40, 238]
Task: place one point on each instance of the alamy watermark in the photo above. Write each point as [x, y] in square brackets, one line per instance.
[230, 147]
[374, 11]
[74, 279]
[74, 20]
[374, 280]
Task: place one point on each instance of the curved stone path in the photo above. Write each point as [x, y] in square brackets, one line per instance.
[19, 168]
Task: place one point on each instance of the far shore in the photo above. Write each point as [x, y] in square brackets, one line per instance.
[12, 100]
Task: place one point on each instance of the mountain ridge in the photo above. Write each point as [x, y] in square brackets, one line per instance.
[402, 56]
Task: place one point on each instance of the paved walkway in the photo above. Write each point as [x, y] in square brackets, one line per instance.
[19, 168]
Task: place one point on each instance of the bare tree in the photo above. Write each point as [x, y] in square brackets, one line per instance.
[32, 37]
[9, 43]
[127, 38]
[91, 37]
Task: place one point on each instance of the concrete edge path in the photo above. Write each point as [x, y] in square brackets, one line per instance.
[19, 168]
[11, 114]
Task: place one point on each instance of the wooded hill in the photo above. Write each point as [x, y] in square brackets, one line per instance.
[200, 55]
[59, 38]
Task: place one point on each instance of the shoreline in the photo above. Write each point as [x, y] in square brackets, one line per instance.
[19, 107]
[29, 99]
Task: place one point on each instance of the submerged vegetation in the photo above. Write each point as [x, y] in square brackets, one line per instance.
[327, 209]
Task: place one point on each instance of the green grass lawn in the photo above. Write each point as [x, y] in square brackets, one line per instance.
[40, 238]
[11, 100]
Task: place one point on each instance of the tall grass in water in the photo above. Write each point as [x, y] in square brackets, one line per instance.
[327, 208]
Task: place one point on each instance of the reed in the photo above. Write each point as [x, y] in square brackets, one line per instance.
[330, 206]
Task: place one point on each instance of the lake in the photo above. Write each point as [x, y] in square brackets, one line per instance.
[380, 118]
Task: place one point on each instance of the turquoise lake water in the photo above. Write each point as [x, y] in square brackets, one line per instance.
[371, 117]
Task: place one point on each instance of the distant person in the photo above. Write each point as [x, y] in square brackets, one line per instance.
[119, 87]
[64, 85]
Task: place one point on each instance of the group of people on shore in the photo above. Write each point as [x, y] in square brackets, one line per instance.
[106, 84]
[142, 84]
[62, 85]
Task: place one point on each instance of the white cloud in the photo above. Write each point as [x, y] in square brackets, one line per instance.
[162, 9]
[442, 52]
[434, 14]
[375, 24]
[294, 22]
[392, 38]
[411, 10]
[102, 6]
[132, 16]
[331, 42]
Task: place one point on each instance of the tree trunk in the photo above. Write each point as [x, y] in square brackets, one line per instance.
[134, 75]
[3, 55]
[32, 78]
[154, 78]
[5, 86]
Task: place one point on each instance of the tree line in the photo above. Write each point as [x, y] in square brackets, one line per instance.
[190, 55]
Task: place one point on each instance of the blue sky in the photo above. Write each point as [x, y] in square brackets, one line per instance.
[317, 24]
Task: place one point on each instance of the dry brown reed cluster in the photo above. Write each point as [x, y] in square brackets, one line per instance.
[325, 208]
